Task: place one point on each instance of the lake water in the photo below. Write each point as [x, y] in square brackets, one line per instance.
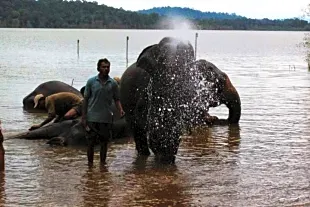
[263, 162]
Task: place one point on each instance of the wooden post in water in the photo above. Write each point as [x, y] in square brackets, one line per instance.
[78, 48]
[196, 37]
[127, 39]
[1, 150]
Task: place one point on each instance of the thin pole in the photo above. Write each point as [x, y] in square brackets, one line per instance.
[127, 39]
[196, 37]
[78, 48]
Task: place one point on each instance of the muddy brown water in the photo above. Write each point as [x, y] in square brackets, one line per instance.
[265, 161]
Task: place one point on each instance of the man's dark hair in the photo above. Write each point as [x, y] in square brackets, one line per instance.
[104, 60]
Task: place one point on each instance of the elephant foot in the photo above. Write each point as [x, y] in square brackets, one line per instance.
[143, 152]
[141, 143]
[165, 159]
[56, 141]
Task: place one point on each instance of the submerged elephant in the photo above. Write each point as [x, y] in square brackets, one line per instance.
[159, 94]
[70, 133]
[47, 88]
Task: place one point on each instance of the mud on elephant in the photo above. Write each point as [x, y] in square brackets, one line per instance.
[159, 95]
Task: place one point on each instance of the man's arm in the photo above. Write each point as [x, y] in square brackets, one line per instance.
[119, 107]
[84, 108]
[116, 97]
[87, 94]
[47, 120]
[50, 106]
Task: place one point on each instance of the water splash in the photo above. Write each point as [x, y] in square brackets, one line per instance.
[177, 23]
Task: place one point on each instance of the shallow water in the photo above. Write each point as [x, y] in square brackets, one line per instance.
[262, 162]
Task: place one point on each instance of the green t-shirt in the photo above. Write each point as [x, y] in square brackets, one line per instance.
[100, 97]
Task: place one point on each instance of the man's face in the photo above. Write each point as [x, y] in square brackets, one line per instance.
[104, 68]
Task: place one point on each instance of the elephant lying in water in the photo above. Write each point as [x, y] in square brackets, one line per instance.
[159, 95]
[70, 133]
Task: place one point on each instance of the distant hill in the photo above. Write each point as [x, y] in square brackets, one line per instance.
[189, 13]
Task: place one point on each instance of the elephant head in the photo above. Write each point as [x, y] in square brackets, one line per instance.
[221, 89]
[169, 92]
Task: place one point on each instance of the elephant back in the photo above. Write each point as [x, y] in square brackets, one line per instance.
[48, 88]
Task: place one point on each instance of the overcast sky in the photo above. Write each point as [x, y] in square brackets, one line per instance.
[273, 9]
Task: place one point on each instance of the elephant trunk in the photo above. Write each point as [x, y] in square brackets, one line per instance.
[40, 133]
[48, 131]
[231, 99]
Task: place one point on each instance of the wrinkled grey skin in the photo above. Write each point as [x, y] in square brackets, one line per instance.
[221, 91]
[46, 88]
[154, 91]
[70, 133]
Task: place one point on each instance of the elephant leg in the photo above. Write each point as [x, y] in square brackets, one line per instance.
[56, 141]
[141, 141]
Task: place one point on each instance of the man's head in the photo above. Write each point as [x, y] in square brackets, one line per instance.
[103, 66]
[39, 100]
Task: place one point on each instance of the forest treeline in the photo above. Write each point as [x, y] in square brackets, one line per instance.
[84, 14]
[189, 13]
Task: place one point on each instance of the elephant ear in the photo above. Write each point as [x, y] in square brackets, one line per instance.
[147, 59]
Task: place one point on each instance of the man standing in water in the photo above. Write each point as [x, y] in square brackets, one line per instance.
[97, 116]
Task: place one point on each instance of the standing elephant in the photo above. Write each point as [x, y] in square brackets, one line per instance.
[156, 92]
[47, 88]
[220, 91]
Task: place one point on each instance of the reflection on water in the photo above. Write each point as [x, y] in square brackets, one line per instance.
[2, 187]
[208, 139]
[263, 161]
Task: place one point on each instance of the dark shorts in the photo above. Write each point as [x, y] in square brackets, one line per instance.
[99, 132]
